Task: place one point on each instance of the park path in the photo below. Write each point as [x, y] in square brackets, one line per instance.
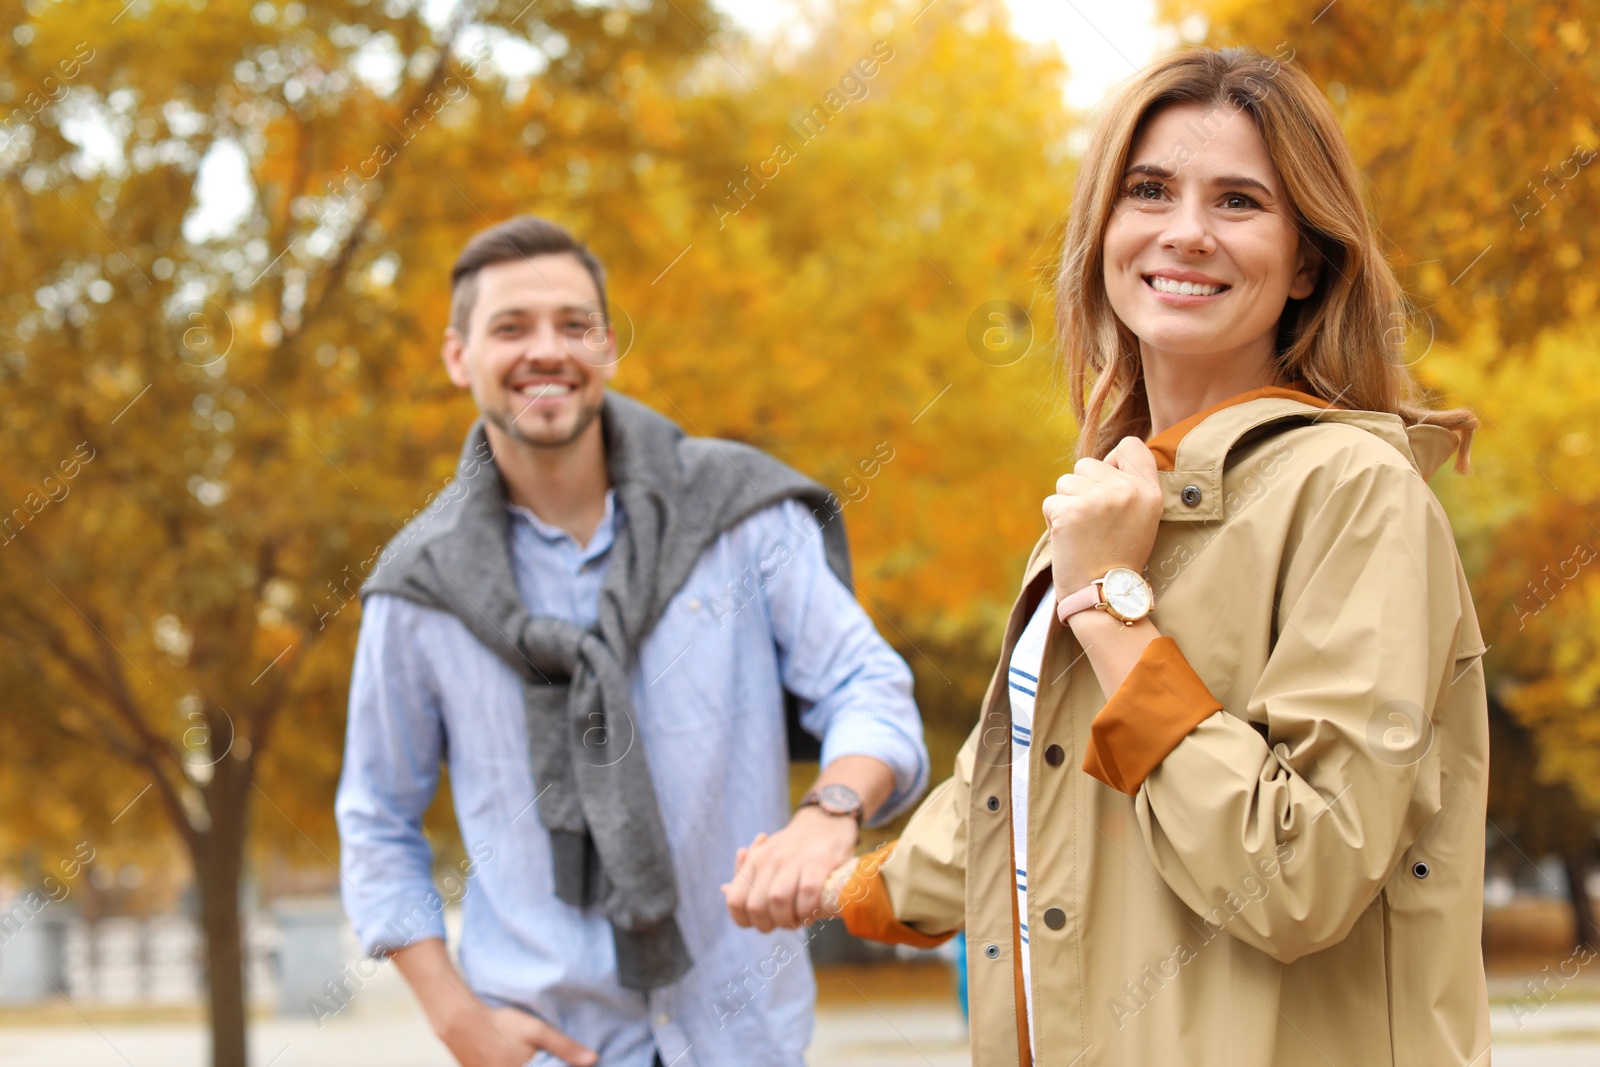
[892, 1034]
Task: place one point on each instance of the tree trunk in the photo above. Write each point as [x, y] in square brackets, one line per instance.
[219, 864]
[1577, 865]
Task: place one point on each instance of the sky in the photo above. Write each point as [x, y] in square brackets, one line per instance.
[1120, 39]
[1101, 43]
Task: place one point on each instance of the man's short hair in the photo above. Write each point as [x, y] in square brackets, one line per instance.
[516, 238]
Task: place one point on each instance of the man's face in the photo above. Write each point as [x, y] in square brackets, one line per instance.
[537, 355]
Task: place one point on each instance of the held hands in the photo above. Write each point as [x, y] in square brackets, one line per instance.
[778, 880]
[1104, 514]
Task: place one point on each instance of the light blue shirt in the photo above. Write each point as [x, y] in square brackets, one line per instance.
[760, 612]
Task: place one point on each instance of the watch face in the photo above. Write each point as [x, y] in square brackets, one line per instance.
[1126, 592]
[838, 799]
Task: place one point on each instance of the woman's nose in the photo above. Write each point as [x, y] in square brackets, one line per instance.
[1188, 230]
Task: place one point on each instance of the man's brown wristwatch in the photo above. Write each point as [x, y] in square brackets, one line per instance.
[835, 799]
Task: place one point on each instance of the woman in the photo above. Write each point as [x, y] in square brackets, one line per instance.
[1266, 847]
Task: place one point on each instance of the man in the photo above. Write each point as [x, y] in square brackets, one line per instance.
[595, 627]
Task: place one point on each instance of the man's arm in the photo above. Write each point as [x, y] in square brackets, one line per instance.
[859, 691]
[394, 742]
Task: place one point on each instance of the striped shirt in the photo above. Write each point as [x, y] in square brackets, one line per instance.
[1023, 683]
[761, 612]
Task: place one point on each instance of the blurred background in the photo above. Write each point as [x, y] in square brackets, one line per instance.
[227, 229]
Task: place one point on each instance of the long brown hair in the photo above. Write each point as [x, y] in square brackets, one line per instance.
[1344, 339]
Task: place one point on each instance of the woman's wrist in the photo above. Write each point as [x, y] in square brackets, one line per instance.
[1097, 624]
[833, 886]
[1111, 646]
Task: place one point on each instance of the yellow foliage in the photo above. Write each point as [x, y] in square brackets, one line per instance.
[265, 407]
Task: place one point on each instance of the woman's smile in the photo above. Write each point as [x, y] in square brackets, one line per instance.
[1185, 288]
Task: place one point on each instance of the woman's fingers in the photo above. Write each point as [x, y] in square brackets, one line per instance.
[1094, 470]
[1075, 485]
[1133, 457]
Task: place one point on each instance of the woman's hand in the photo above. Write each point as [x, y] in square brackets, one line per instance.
[1104, 514]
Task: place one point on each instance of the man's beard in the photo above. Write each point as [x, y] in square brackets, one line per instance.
[508, 426]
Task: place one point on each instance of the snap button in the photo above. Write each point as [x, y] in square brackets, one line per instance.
[1420, 869]
[1191, 495]
[992, 951]
[994, 803]
[694, 604]
[1053, 755]
[1055, 918]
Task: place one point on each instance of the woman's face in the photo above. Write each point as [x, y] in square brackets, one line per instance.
[1200, 253]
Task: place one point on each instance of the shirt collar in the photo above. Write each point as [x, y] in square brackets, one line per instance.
[604, 533]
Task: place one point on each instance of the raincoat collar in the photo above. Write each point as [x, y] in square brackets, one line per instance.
[1190, 454]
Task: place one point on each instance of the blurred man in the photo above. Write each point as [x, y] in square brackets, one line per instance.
[597, 627]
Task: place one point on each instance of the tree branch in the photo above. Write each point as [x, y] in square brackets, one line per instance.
[146, 755]
[334, 274]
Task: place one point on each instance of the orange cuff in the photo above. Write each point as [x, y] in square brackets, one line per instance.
[1154, 708]
[868, 912]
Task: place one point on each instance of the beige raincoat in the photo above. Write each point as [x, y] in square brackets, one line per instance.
[1267, 847]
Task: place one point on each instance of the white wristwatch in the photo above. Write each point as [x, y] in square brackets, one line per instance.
[1122, 593]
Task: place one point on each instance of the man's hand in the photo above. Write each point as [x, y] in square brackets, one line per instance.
[480, 1036]
[777, 880]
[476, 1034]
[1104, 514]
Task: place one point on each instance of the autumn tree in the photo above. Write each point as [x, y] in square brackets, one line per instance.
[1529, 523]
[1533, 816]
[206, 433]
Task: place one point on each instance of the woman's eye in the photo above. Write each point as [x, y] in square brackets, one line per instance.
[1239, 201]
[1146, 191]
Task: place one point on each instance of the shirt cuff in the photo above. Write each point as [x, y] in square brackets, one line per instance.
[398, 919]
[1157, 705]
[868, 912]
[889, 742]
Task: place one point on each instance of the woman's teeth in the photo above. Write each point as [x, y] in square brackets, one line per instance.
[1167, 285]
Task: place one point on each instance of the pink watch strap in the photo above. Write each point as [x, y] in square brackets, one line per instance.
[1082, 600]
